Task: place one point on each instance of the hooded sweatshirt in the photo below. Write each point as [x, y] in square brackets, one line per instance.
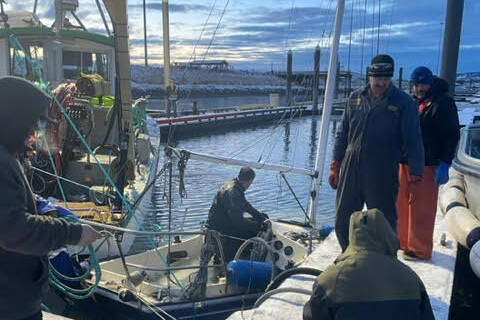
[25, 237]
[367, 281]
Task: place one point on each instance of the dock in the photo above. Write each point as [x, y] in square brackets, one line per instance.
[51, 316]
[437, 275]
[191, 125]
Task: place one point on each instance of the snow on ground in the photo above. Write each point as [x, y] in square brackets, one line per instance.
[436, 274]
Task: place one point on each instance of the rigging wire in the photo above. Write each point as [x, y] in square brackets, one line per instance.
[389, 34]
[290, 17]
[363, 39]
[350, 39]
[378, 29]
[372, 29]
[216, 29]
[193, 54]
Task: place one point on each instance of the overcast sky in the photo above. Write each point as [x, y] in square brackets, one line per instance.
[257, 34]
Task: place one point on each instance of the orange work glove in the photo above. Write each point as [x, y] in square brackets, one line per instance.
[413, 185]
[334, 173]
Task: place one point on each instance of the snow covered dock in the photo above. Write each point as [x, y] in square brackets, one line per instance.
[436, 274]
[51, 316]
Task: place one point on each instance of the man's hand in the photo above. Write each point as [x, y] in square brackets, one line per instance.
[334, 174]
[89, 235]
[413, 186]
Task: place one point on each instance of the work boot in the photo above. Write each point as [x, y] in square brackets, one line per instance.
[411, 256]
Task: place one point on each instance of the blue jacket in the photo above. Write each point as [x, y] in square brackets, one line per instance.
[379, 133]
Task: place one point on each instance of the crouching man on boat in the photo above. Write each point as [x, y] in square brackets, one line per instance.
[226, 214]
[379, 124]
[367, 281]
[25, 236]
[440, 133]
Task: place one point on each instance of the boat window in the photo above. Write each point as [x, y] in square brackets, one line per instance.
[21, 62]
[75, 63]
[473, 143]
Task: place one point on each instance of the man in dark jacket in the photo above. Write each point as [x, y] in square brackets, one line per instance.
[379, 123]
[367, 281]
[25, 236]
[226, 214]
[440, 133]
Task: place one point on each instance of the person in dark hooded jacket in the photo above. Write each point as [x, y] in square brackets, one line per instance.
[440, 134]
[25, 236]
[226, 214]
[367, 281]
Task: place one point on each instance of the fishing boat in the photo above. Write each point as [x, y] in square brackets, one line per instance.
[96, 154]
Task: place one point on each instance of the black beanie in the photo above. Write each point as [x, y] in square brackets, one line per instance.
[21, 105]
[382, 65]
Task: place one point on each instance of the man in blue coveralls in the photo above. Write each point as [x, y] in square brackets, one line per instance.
[379, 125]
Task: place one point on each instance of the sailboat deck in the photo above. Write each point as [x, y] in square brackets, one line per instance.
[437, 275]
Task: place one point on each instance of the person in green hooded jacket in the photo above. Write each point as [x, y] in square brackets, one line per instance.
[367, 281]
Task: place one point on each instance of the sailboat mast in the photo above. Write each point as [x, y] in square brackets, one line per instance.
[327, 109]
[166, 53]
[145, 31]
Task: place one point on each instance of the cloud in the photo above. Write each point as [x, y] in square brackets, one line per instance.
[171, 7]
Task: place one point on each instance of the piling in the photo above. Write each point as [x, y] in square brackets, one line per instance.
[400, 78]
[289, 78]
[451, 42]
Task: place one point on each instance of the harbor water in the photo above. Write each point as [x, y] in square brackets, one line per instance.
[290, 142]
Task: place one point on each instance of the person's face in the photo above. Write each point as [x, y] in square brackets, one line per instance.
[420, 90]
[379, 85]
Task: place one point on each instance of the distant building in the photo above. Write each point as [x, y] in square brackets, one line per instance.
[205, 64]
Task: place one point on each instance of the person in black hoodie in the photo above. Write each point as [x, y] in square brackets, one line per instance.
[440, 134]
[25, 236]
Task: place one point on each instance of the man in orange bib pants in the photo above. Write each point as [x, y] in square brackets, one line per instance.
[440, 134]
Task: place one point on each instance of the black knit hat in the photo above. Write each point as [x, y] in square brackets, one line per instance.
[382, 65]
[21, 105]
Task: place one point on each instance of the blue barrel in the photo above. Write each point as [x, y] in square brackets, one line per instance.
[249, 274]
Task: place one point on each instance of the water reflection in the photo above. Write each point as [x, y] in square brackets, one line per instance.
[286, 140]
[313, 142]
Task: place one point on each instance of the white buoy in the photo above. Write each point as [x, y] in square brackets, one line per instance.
[475, 258]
